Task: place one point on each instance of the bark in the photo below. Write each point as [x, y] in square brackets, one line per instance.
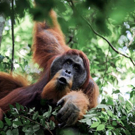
[2, 23]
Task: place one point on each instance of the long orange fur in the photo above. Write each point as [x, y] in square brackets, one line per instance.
[49, 43]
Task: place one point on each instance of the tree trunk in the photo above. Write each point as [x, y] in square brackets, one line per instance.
[2, 23]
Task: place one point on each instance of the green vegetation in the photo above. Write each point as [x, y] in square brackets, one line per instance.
[105, 32]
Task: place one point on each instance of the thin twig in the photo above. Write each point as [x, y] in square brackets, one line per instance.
[131, 40]
[12, 29]
[119, 124]
[126, 56]
[109, 42]
[37, 123]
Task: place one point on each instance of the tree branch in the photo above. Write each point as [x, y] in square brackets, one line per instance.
[126, 56]
[12, 29]
[2, 23]
[37, 123]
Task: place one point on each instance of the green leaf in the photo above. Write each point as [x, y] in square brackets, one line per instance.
[15, 132]
[36, 127]
[103, 106]
[109, 127]
[9, 132]
[90, 115]
[42, 121]
[5, 128]
[115, 132]
[18, 123]
[1, 124]
[11, 107]
[25, 121]
[120, 97]
[27, 130]
[8, 121]
[35, 116]
[52, 125]
[129, 105]
[22, 107]
[40, 132]
[132, 93]
[2, 133]
[88, 122]
[127, 132]
[18, 106]
[110, 101]
[114, 123]
[101, 127]
[46, 114]
[116, 91]
[50, 109]
[95, 124]
[56, 110]
[31, 110]
[108, 132]
[109, 113]
[133, 123]
[95, 119]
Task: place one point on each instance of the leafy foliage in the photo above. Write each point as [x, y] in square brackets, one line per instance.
[117, 119]
[21, 120]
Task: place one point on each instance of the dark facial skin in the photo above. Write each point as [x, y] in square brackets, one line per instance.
[64, 80]
[72, 66]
